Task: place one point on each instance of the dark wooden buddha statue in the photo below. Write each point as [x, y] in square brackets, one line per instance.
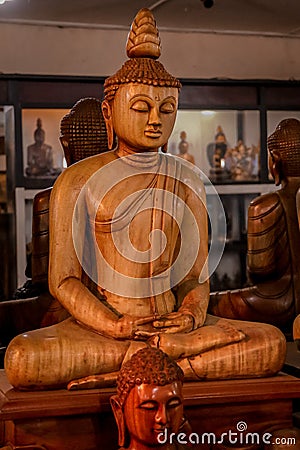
[273, 242]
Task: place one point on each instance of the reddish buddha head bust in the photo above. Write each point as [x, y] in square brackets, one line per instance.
[148, 405]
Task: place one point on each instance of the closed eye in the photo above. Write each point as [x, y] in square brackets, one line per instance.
[148, 405]
[140, 106]
[167, 108]
[174, 402]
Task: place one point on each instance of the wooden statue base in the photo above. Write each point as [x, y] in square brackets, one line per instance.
[82, 420]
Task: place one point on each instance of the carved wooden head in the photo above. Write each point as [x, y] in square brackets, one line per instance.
[142, 74]
[284, 149]
[143, 50]
[83, 131]
[149, 398]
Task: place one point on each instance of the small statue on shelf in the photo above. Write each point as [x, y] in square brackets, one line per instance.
[241, 162]
[184, 149]
[124, 261]
[40, 156]
[148, 406]
[216, 153]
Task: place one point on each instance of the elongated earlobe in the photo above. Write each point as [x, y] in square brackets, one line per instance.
[65, 144]
[277, 172]
[119, 417]
[106, 110]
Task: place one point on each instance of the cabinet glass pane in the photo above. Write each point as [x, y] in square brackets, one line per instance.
[225, 145]
[42, 152]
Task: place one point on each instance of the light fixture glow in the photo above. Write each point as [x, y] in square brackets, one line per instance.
[3, 1]
[207, 112]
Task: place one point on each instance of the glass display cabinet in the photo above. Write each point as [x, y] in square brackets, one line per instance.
[225, 144]
[43, 157]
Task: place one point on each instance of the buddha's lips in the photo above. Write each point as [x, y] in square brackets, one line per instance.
[161, 429]
[153, 133]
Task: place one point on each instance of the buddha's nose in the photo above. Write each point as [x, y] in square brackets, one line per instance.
[162, 416]
[154, 117]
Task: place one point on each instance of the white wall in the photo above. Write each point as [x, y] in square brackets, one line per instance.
[53, 50]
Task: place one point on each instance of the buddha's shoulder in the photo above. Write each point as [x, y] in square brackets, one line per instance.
[93, 163]
[81, 171]
[265, 205]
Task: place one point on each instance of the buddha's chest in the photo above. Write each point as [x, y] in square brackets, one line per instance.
[137, 206]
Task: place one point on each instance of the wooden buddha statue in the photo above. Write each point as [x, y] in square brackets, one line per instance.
[148, 406]
[129, 248]
[183, 147]
[273, 242]
[40, 155]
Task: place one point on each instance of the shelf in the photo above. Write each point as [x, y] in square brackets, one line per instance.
[223, 189]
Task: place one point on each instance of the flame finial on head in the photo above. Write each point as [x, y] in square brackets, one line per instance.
[143, 39]
[143, 50]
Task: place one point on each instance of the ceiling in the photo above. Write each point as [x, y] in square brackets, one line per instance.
[250, 16]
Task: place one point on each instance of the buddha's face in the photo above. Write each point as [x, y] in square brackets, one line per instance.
[150, 410]
[143, 116]
[39, 137]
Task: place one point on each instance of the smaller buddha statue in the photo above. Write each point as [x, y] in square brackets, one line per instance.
[216, 152]
[148, 406]
[40, 155]
[240, 161]
[184, 148]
